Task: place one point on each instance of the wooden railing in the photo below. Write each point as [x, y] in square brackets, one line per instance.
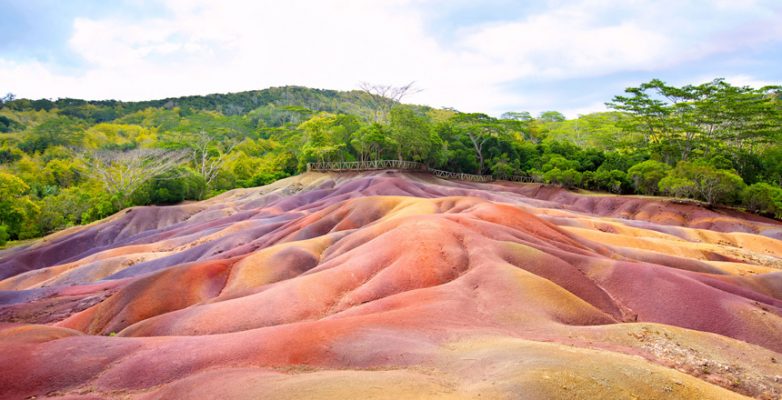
[519, 178]
[365, 165]
[357, 166]
[461, 176]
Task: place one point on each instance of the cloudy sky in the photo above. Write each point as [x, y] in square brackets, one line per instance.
[490, 55]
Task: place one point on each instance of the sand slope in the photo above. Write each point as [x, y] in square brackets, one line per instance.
[393, 285]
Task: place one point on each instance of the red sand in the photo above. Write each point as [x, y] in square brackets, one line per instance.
[390, 285]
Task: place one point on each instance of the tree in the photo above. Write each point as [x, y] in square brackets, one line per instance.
[369, 142]
[64, 173]
[517, 116]
[602, 130]
[607, 180]
[72, 206]
[384, 97]
[8, 124]
[503, 167]
[665, 115]
[703, 181]
[676, 186]
[479, 129]
[10, 155]
[57, 131]
[772, 164]
[569, 178]
[325, 137]
[718, 186]
[410, 133]
[681, 121]
[17, 211]
[551, 161]
[763, 198]
[9, 97]
[171, 187]
[122, 172]
[551, 116]
[646, 176]
[208, 156]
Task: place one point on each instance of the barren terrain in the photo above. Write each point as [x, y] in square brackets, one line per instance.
[393, 285]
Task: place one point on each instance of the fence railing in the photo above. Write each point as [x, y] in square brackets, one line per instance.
[519, 178]
[461, 176]
[343, 166]
[365, 165]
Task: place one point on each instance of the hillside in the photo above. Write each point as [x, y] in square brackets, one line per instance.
[295, 98]
[392, 285]
[69, 162]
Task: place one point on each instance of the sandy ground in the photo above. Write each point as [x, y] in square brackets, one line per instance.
[392, 285]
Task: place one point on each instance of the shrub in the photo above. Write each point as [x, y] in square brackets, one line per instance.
[265, 178]
[569, 178]
[18, 213]
[646, 176]
[676, 187]
[611, 181]
[4, 235]
[763, 198]
[176, 186]
[559, 162]
[703, 181]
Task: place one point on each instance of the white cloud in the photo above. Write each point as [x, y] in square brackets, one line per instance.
[565, 44]
[586, 109]
[747, 80]
[205, 46]
[735, 80]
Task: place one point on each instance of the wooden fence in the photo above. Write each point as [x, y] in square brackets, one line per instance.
[461, 176]
[357, 166]
[519, 178]
[341, 166]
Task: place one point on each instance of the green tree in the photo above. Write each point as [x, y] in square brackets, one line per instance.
[56, 131]
[772, 164]
[171, 187]
[411, 134]
[551, 116]
[325, 138]
[17, 211]
[676, 186]
[517, 116]
[479, 129]
[703, 181]
[613, 181]
[207, 156]
[569, 178]
[646, 176]
[679, 122]
[763, 198]
[121, 173]
[369, 142]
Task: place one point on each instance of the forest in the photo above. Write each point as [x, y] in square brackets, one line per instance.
[68, 162]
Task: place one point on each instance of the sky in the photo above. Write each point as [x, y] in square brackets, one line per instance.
[486, 56]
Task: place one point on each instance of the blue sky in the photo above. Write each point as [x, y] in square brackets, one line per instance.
[490, 56]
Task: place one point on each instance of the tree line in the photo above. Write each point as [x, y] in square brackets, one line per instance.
[69, 162]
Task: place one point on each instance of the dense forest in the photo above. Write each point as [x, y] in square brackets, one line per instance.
[70, 162]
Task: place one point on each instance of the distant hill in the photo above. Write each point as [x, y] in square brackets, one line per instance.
[275, 100]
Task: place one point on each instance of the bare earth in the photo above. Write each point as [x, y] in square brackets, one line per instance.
[390, 285]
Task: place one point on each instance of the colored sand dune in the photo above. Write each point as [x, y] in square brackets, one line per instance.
[394, 285]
